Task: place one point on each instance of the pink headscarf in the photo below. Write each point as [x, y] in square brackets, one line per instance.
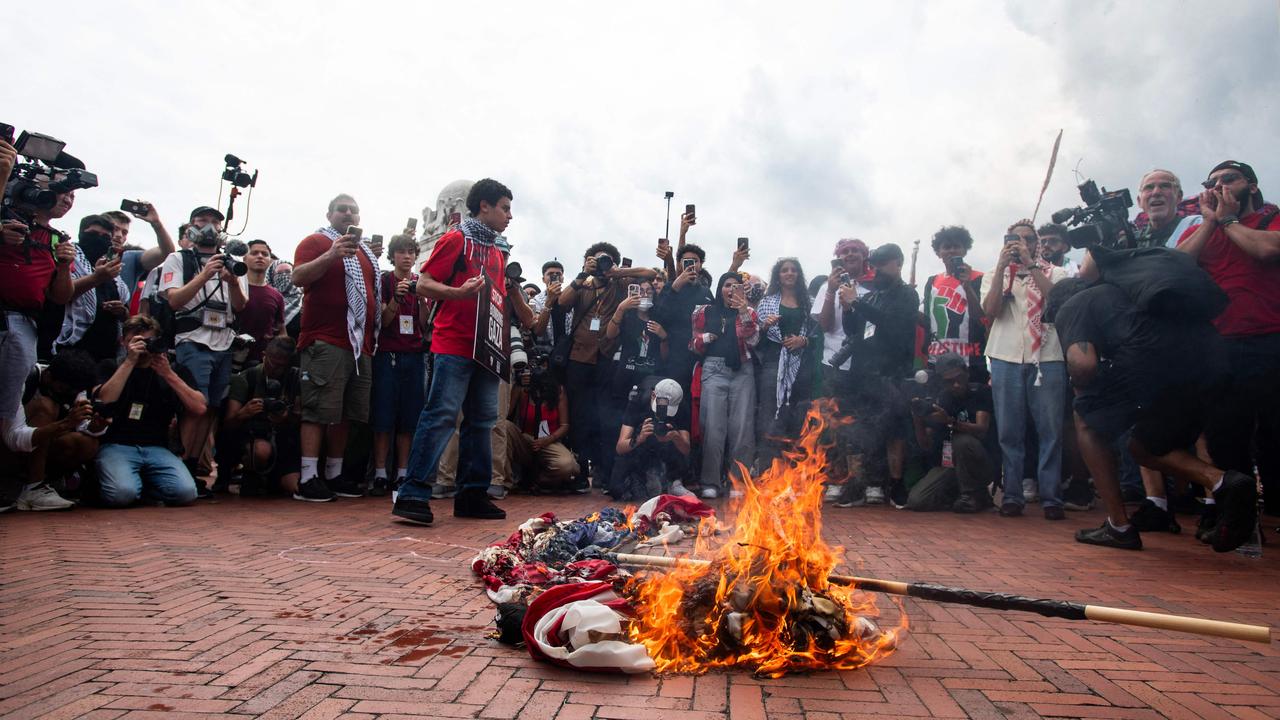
[846, 243]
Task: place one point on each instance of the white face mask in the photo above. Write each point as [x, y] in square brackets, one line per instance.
[645, 303]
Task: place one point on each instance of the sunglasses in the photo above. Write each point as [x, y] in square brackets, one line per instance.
[1224, 179]
[346, 209]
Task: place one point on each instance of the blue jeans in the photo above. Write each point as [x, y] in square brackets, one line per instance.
[128, 472]
[210, 368]
[398, 391]
[458, 384]
[1016, 396]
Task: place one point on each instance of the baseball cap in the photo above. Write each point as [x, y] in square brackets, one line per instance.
[206, 210]
[884, 254]
[1246, 170]
[670, 391]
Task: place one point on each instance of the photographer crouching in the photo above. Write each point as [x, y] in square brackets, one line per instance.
[140, 400]
[953, 431]
[535, 429]
[262, 425]
[653, 444]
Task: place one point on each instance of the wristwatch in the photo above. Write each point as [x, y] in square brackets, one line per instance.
[1228, 220]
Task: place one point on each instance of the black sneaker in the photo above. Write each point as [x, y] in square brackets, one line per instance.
[313, 490]
[202, 490]
[1107, 536]
[898, 495]
[1010, 510]
[345, 488]
[1054, 512]
[1237, 502]
[1150, 518]
[1208, 520]
[966, 504]
[475, 503]
[414, 510]
[380, 487]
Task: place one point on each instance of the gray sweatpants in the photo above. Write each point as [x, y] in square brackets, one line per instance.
[727, 416]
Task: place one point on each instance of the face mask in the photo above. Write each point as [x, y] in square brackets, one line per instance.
[94, 244]
[205, 237]
[645, 303]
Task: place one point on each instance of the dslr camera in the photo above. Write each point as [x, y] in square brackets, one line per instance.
[1103, 220]
[604, 263]
[922, 406]
[660, 417]
[273, 401]
[48, 172]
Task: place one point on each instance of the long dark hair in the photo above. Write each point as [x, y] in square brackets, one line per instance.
[718, 313]
[775, 281]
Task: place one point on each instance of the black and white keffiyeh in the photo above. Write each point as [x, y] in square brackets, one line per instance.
[83, 310]
[357, 293]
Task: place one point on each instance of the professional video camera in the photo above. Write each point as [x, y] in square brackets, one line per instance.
[49, 172]
[1104, 220]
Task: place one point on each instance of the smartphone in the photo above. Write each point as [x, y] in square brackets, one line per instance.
[744, 244]
[690, 210]
[411, 224]
[686, 263]
[455, 218]
[137, 208]
[6, 132]
[626, 262]
[663, 242]
[375, 240]
[836, 264]
[554, 277]
[355, 231]
[633, 291]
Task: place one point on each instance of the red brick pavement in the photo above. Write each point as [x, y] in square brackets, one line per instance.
[281, 609]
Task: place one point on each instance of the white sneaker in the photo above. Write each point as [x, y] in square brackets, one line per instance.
[496, 492]
[1030, 490]
[42, 497]
[709, 493]
[832, 493]
[441, 492]
[875, 495]
[678, 489]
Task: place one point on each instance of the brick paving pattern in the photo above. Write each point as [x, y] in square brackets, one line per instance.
[280, 609]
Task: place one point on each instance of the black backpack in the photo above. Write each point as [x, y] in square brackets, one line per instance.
[173, 321]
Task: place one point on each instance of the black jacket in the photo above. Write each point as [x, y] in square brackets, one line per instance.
[893, 310]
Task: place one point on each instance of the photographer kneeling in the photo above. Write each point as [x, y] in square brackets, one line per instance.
[141, 400]
[952, 432]
[653, 445]
[535, 430]
[264, 412]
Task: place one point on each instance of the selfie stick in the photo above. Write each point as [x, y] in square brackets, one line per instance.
[669, 196]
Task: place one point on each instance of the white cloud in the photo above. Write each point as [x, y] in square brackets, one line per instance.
[794, 125]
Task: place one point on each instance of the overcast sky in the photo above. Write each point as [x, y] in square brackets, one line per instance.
[793, 124]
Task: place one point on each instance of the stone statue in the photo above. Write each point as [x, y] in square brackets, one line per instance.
[451, 207]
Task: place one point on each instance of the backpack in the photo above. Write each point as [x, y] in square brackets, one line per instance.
[173, 321]
[459, 266]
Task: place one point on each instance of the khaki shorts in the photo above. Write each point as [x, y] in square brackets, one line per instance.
[332, 389]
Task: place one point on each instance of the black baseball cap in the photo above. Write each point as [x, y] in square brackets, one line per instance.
[206, 210]
[885, 253]
[1246, 170]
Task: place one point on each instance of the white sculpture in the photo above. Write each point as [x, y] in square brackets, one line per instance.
[451, 207]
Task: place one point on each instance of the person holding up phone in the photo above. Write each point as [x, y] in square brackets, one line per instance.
[1028, 372]
[93, 319]
[135, 264]
[674, 307]
[952, 304]
[340, 320]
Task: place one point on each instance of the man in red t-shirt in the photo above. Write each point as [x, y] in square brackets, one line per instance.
[339, 277]
[1238, 244]
[452, 277]
[35, 266]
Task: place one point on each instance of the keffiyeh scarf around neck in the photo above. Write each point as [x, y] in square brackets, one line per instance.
[357, 292]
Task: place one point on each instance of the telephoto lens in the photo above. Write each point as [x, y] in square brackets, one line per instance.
[519, 358]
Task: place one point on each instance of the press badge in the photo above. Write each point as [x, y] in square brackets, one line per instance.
[406, 324]
[595, 324]
[135, 411]
[871, 330]
[947, 460]
[214, 319]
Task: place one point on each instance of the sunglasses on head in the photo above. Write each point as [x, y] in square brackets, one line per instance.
[1223, 179]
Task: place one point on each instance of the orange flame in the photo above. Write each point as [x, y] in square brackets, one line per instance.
[742, 609]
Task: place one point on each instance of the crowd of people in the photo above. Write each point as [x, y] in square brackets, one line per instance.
[1147, 374]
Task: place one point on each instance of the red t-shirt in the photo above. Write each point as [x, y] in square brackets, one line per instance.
[324, 302]
[1252, 286]
[262, 314]
[454, 331]
[394, 337]
[23, 284]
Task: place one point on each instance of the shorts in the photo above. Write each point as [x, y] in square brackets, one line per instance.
[210, 368]
[335, 387]
[1171, 420]
[399, 391]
